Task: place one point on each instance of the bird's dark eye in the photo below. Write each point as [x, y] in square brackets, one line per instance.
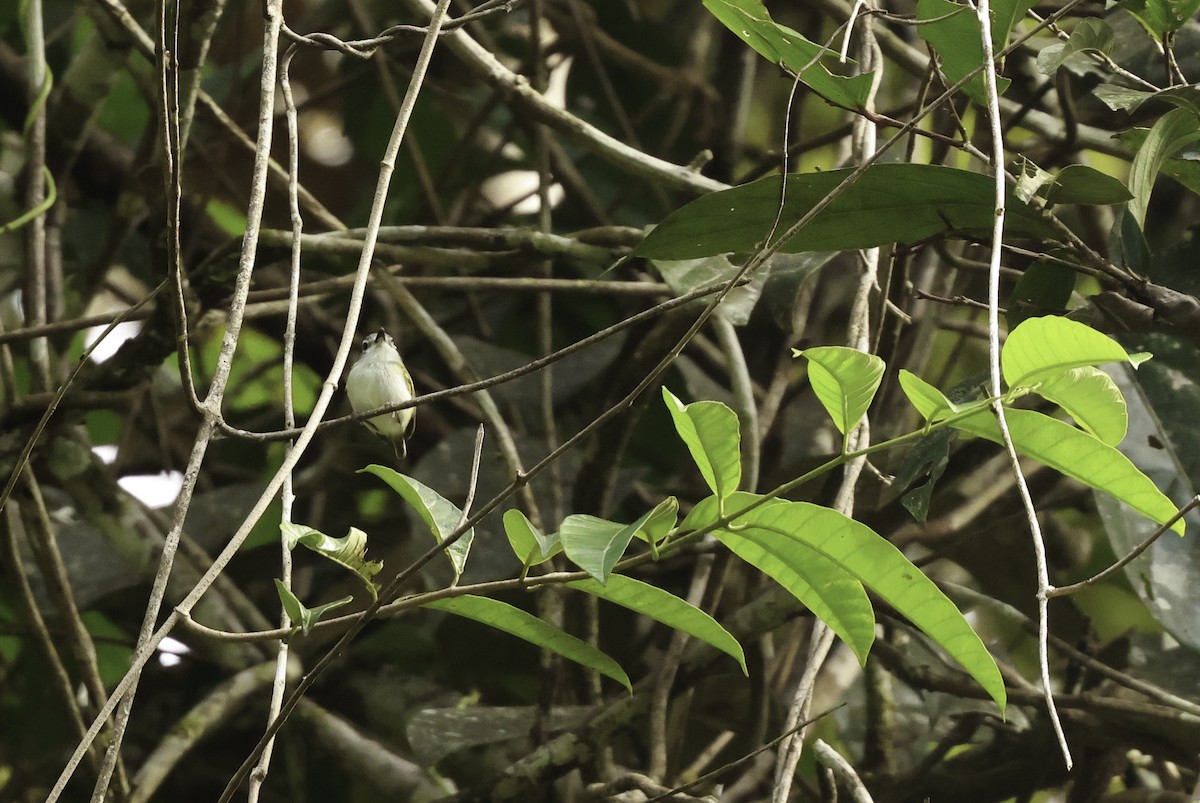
[366, 343]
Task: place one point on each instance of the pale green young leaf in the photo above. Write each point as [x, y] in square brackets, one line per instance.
[930, 402]
[660, 522]
[878, 565]
[594, 544]
[844, 380]
[664, 607]
[302, 615]
[348, 551]
[529, 545]
[1078, 454]
[1090, 397]
[440, 515]
[517, 622]
[710, 430]
[1040, 347]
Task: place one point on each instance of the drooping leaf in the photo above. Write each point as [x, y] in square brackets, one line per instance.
[664, 607]
[594, 544]
[834, 595]
[927, 461]
[1089, 396]
[844, 380]
[872, 561]
[889, 203]
[710, 430]
[348, 551]
[1044, 288]
[440, 515]
[1043, 346]
[530, 546]
[302, 615]
[953, 31]
[779, 44]
[1174, 131]
[516, 622]
[1078, 454]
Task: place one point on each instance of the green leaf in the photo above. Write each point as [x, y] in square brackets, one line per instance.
[1080, 184]
[1160, 17]
[871, 560]
[710, 430]
[1079, 455]
[440, 515]
[529, 545]
[889, 203]
[779, 44]
[953, 31]
[517, 622]
[834, 595]
[1174, 131]
[844, 380]
[348, 551]
[1091, 397]
[1043, 346]
[594, 544]
[667, 608]
[300, 614]
[1088, 35]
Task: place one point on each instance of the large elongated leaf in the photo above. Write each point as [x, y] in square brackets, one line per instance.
[749, 20]
[872, 561]
[1079, 455]
[348, 551]
[1040, 347]
[889, 203]
[664, 607]
[710, 430]
[523, 625]
[845, 381]
[439, 514]
[834, 595]
[594, 544]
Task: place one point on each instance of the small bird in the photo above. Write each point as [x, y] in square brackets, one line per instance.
[379, 378]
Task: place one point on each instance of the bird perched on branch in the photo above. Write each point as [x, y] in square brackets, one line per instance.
[378, 379]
